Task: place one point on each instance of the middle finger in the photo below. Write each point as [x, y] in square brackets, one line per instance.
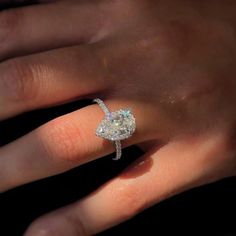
[50, 78]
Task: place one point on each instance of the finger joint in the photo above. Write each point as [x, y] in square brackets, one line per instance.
[20, 80]
[63, 141]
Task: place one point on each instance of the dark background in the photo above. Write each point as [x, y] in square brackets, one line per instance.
[208, 210]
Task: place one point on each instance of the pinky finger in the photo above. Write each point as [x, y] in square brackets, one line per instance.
[159, 174]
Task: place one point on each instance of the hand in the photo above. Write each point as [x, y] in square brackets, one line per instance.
[172, 62]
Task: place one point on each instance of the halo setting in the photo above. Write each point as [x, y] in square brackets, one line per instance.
[116, 126]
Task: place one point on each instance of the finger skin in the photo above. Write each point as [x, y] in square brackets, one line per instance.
[60, 145]
[35, 28]
[176, 167]
[49, 78]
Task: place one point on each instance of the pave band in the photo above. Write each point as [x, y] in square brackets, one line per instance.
[115, 126]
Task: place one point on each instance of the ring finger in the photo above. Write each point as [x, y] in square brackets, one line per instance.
[62, 144]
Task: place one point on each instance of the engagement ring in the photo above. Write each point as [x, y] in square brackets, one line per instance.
[116, 126]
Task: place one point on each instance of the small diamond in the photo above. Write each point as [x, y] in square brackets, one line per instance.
[126, 113]
[101, 130]
[117, 125]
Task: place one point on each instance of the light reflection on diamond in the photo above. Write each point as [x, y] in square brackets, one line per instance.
[117, 125]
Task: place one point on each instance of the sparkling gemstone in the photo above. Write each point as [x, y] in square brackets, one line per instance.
[117, 125]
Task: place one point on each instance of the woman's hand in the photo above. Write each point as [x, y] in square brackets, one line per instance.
[172, 62]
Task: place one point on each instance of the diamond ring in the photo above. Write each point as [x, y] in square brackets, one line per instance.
[116, 126]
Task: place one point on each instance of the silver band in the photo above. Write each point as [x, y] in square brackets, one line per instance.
[107, 113]
[116, 126]
[102, 105]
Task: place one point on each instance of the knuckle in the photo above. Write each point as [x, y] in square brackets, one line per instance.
[172, 39]
[168, 42]
[129, 201]
[19, 80]
[217, 159]
[63, 141]
[9, 19]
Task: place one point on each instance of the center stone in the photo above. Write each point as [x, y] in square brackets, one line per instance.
[117, 125]
[117, 119]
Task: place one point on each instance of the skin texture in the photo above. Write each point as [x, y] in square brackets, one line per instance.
[172, 62]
